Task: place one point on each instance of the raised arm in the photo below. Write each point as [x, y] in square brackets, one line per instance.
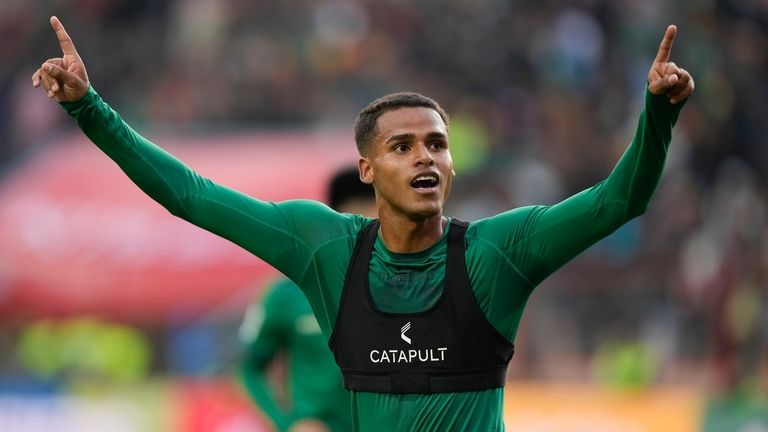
[275, 232]
[544, 238]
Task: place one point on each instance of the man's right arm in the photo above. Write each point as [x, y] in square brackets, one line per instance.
[275, 232]
[264, 228]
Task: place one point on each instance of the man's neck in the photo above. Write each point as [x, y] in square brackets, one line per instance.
[404, 235]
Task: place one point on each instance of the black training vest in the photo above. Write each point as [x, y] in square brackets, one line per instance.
[450, 347]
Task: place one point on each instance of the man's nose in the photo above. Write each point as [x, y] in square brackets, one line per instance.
[424, 156]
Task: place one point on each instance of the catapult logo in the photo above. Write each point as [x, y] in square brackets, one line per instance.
[402, 333]
[422, 355]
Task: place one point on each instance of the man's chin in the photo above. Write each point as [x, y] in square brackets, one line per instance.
[426, 212]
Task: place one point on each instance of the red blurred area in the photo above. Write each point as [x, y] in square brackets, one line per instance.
[76, 236]
[215, 406]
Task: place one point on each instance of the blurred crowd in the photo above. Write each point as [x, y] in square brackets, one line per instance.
[544, 97]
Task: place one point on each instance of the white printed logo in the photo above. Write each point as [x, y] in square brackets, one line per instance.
[402, 333]
[396, 356]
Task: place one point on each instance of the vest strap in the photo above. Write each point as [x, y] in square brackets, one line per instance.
[425, 382]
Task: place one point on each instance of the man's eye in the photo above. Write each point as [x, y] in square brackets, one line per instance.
[401, 148]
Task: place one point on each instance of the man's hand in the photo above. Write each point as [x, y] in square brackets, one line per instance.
[665, 77]
[63, 78]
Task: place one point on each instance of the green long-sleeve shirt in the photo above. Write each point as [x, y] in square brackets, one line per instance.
[507, 255]
[282, 322]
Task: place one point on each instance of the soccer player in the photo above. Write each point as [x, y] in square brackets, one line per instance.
[283, 323]
[420, 309]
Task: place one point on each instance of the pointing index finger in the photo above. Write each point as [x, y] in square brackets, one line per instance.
[64, 40]
[665, 48]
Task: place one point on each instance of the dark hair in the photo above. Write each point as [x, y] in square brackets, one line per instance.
[365, 124]
[346, 186]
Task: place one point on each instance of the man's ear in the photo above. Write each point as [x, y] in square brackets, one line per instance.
[366, 170]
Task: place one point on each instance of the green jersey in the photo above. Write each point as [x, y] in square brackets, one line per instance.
[283, 323]
[507, 255]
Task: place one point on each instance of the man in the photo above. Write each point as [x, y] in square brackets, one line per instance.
[283, 323]
[420, 309]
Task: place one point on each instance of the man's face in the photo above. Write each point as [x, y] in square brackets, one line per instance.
[409, 163]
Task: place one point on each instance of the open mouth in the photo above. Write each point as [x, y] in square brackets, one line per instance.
[426, 182]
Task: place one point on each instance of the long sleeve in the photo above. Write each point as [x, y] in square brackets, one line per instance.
[549, 236]
[279, 233]
[511, 253]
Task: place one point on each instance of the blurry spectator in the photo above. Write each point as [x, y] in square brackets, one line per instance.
[282, 325]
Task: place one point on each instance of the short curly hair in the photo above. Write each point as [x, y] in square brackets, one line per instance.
[365, 124]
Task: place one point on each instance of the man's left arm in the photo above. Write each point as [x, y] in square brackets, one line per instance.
[535, 241]
[550, 236]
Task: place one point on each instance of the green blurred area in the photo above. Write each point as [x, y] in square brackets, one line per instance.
[625, 366]
[84, 349]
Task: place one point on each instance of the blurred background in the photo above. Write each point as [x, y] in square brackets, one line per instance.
[116, 316]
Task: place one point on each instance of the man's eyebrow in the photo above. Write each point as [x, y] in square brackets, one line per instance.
[401, 137]
[437, 135]
[409, 136]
